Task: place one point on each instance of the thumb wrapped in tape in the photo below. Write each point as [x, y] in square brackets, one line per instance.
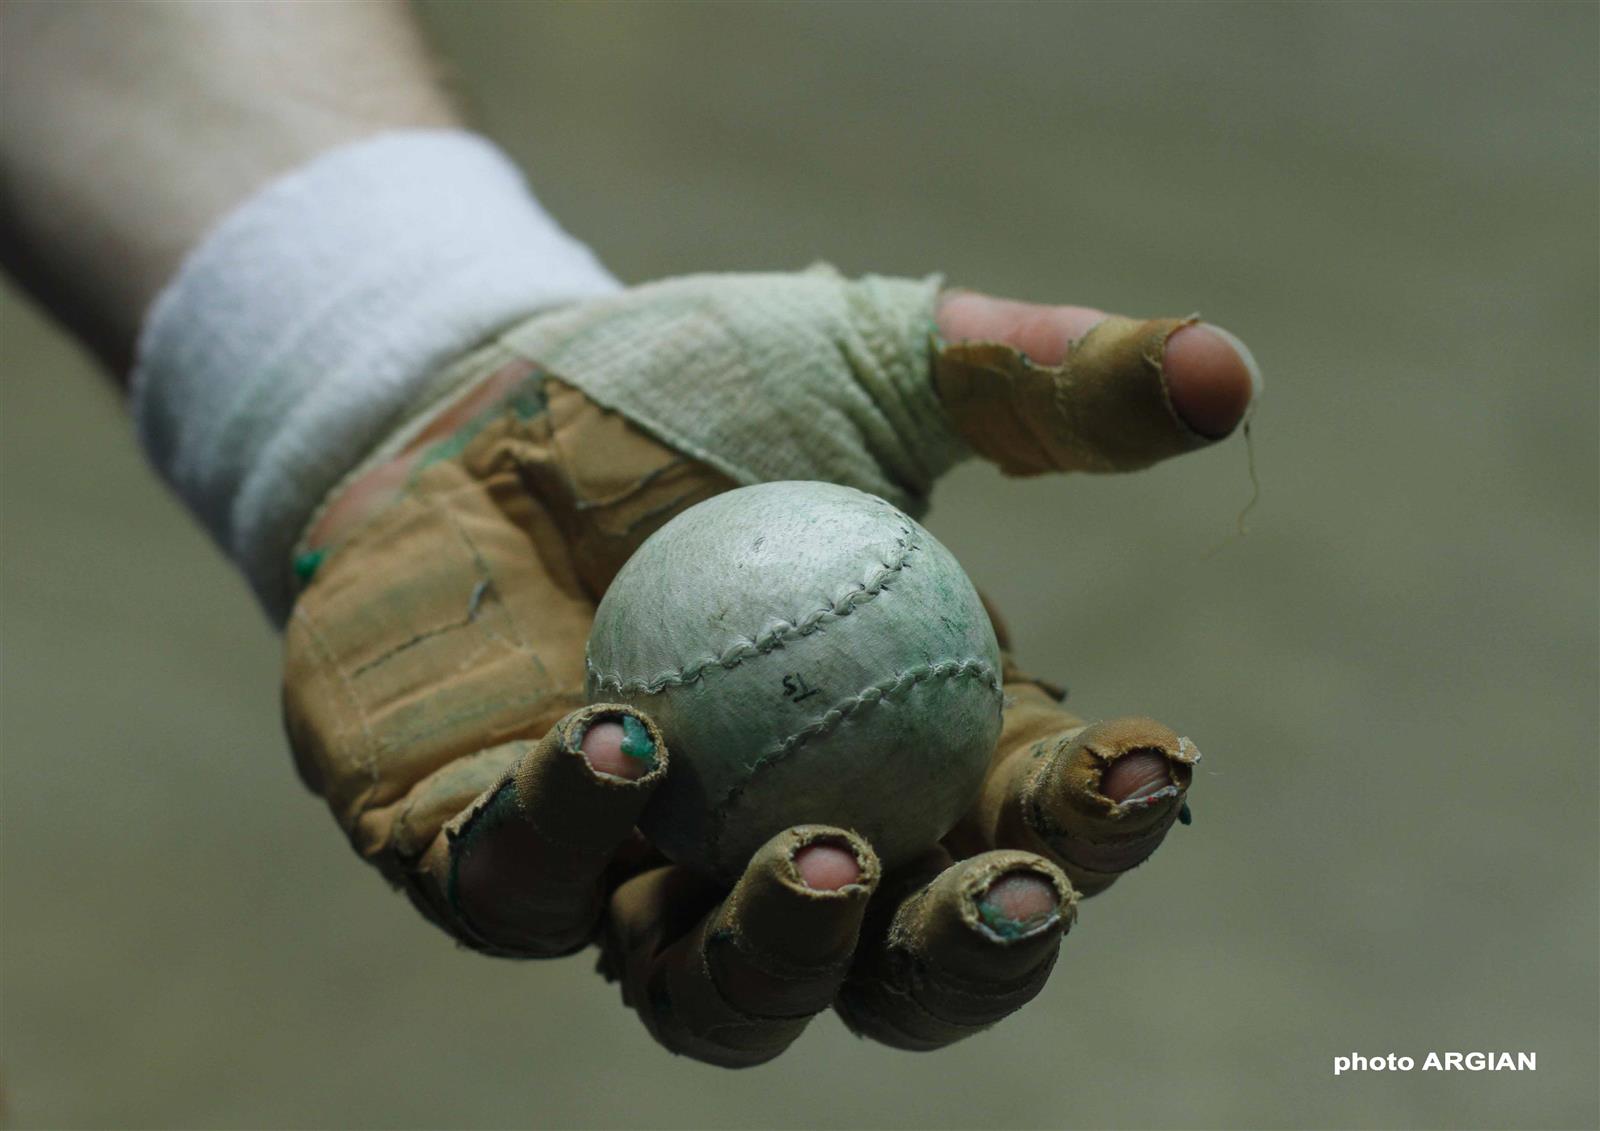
[815, 376]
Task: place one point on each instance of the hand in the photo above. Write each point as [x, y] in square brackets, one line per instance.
[434, 674]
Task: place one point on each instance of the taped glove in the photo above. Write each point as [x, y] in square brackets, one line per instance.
[434, 655]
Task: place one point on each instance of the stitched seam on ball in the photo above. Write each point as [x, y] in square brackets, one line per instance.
[775, 637]
[972, 668]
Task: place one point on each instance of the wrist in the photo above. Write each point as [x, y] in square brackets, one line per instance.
[317, 317]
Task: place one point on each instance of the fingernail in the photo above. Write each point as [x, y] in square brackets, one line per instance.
[1135, 777]
[1018, 904]
[826, 865]
[1211, 377]
[1249, 359]
[619, 747]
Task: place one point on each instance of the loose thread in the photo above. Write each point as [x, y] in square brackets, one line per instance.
[1255, 480]
[1241, 529]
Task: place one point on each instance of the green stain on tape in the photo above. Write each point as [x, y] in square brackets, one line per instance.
[1002, 924]
[307, 564]
[636, 741]
[450, 447]
[527, 403]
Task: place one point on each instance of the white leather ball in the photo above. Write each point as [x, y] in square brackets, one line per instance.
[811, 654]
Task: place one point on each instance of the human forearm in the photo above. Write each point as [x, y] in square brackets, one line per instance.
[105, 102]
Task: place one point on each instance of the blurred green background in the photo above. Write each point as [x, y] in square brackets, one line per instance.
[1393, 677]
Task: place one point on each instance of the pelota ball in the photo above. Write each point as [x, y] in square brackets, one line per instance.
[811, 654]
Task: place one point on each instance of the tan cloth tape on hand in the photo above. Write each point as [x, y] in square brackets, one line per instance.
[451, 626]
[741, 985]
[935, 973]
[1042, 792]
[1105, 408]
[572, 820]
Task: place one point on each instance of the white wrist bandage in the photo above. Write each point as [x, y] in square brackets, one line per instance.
[302, 327]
